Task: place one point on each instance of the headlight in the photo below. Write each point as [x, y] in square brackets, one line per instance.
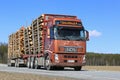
[84, 57]
[84, 61]
[56, 58]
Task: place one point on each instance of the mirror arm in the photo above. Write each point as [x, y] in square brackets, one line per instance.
[87, 35]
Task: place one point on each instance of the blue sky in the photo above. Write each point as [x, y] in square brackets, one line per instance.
[100, 17]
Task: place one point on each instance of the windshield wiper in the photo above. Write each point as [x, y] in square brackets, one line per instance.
[79, 38]
[67, 38]
[62, 38]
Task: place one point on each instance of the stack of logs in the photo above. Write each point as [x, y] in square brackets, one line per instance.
[16, 44]
[28, 40]
[10, 46]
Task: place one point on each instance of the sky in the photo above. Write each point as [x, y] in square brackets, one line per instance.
[100, 17]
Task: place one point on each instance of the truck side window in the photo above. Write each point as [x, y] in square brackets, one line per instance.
[51, 33]
[82, 35]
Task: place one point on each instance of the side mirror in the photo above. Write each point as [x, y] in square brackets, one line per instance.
[51, 33]
[87, 35]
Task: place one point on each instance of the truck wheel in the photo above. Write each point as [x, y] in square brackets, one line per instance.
[16, 63]
[9, 63]
[47, 64]
[12, 64]
[28, 62]
[36, 64]
[78, 68]
[32, 63]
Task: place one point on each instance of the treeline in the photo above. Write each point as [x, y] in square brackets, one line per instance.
[3, 52]
[100, 59]
[95, 59]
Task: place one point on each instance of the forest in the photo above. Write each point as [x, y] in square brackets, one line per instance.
[92, 59]
[102, 59]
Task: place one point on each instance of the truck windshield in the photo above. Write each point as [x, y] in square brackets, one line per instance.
[68, 33]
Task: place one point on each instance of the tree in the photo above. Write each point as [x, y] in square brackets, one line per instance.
[3, 52]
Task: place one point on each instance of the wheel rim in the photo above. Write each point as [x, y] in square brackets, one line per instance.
[31, 64]
[48, 67]
[16, 63]
[28, 63]
[47, 63]
[36, 64]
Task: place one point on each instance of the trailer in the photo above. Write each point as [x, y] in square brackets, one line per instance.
[51, 41]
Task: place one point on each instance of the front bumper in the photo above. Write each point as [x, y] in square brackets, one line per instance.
[69, 60]
[67, 64]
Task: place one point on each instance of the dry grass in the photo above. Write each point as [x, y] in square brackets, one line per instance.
[104, 68]
[20, 76]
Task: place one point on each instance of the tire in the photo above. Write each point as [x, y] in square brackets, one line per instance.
[47, 64]
[16, 63]
[78, 68]
[11, 64]
[32, 63]
[28, 62]
[36, 64]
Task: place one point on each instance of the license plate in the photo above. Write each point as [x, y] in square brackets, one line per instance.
[71, 61]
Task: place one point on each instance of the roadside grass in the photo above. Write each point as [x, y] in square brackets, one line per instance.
[103, 68]
[24, 76]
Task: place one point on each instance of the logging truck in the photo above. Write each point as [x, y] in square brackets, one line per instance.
[51, 41]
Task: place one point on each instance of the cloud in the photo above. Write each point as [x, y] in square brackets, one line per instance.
[94, 33]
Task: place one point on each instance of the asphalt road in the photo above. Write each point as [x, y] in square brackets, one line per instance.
[81, 75]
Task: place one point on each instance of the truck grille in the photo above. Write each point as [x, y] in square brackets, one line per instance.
[67, 61]
[69, 56]
[70, 49]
